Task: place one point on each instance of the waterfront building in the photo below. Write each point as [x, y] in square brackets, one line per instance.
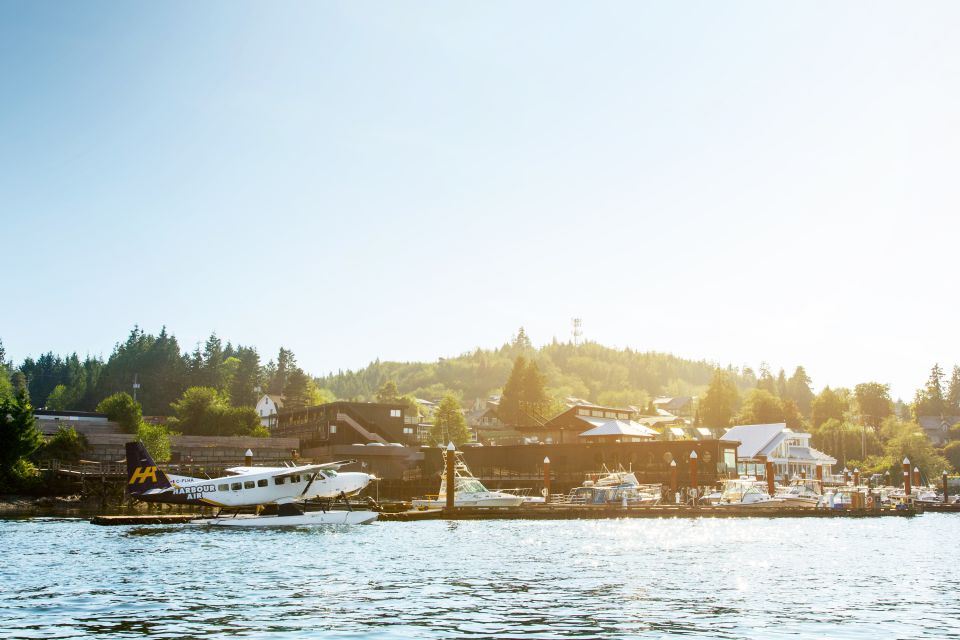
[789, 451]
[268, 407]
[586, 422]
[937, 428]
[674, 406]
[346, 423]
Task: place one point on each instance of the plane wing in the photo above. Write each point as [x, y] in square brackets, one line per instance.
[282, 472]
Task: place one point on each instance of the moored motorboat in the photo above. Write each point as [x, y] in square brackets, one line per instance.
[801, 493]
[468, 491]
[748, 492]
[615, 487]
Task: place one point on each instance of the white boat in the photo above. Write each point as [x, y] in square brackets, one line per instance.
[801, 493]
[468, 491]
[613, 487]
[748, 492]
[309, 518]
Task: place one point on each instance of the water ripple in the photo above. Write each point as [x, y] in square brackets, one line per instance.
[729, 578]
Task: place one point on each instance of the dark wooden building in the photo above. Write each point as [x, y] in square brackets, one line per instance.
[516, 466]
[345, 423]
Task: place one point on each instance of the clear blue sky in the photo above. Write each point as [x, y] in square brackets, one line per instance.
[734, 181]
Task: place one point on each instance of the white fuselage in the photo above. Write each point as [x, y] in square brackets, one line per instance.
[267, 485]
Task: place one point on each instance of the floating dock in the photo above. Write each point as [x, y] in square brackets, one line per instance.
[590, 512]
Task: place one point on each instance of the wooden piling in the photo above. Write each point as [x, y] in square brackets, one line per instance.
[451, 476]
[546, 479]
[694, 483]
[946, 489]
[916, 477]
[906, 478]
[771, 479]
[856, 477]
[673, 476]
[820, 473]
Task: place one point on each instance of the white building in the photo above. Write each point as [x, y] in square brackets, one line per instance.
[789, 451]
[267, 408]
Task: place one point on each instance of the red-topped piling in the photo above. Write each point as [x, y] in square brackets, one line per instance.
[946, 488]
[916, 477]
[673, 475]
[771, 480]
[906, 478]
[856, 477]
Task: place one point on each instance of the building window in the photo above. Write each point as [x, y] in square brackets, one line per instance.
[394, 413]
[408, 430]
[333, 428]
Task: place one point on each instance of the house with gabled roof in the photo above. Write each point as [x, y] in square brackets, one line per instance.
[789, 451]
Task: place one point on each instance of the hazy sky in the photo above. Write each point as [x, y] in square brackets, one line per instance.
[733, 181]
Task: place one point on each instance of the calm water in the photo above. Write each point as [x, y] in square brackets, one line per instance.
[750, 578]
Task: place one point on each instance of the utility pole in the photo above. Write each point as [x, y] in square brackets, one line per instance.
[577, 331]
[136, 386]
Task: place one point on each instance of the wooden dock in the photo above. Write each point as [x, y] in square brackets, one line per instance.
[590, 512]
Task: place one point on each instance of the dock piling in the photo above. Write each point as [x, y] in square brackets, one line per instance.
[546, 480]
[906, 478]
[451, 476]
[694, 484]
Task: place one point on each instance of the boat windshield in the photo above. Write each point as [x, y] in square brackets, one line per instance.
[470, 485]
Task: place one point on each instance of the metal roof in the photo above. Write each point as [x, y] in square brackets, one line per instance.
[610, 427]
[757, 439]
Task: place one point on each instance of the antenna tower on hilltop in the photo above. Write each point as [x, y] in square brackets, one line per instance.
[577, 330]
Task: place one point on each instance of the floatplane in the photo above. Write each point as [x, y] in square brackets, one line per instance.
[286, 487]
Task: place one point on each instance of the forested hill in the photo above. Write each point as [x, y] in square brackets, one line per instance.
[164, 372]
[591, 371]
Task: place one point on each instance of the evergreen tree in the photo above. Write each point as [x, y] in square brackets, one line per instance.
[286, 362]
[521, 342]
[296, 390]
[534, 399]
[719, 404]
[246, 378]
[449, 425]
[19, 437]
[510, 400]
[798, 390]
[765, 381]
[953, 393]
[930, 400]
[782, 385]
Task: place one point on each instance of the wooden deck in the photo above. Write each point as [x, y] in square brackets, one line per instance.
[584, 512]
